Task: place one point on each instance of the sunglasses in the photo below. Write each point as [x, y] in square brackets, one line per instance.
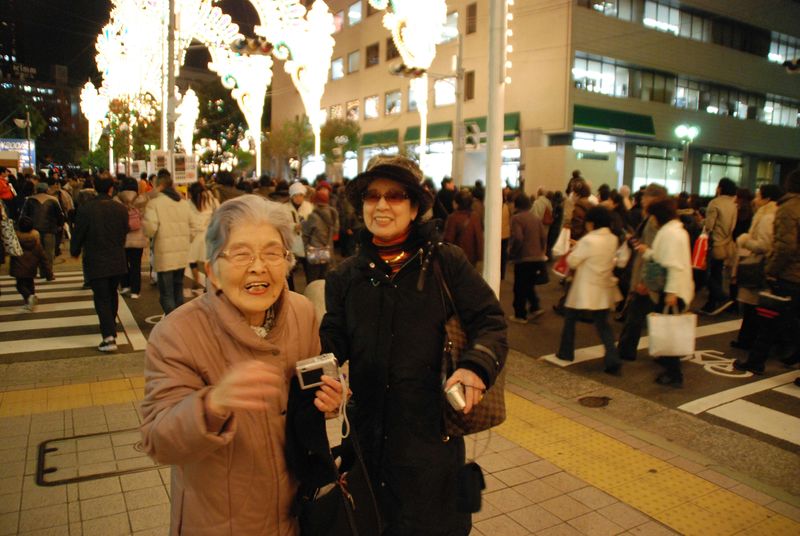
[393, 197]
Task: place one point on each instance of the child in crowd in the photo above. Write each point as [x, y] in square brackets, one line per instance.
[23, 268]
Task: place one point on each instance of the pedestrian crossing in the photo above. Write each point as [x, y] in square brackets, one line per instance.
[766, 406]
[63, 324]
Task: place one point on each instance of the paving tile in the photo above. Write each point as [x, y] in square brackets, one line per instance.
[12, 455]
[151, 517]
[35, 496]
[95, 456]
[72, 493]
[102, 506]
[652, 529]
[94, 443]
[623, 515]
[147, 479]
[487, 510]
[520, 456]
[501, 525]
[562, 529]
[593, 524]
[658, 452]
[12, 469]
[792, 512]
[142, 498]
[8, 523]
[514, 476]
[718, 478]
[565, 507]
[498, 443]
[61, 530]
[492, 483]
[161, 531]
[541, 468]
[10, 503]
[75, 529]
[537, 491]
[128, 438]
[165, 473]
[98, 488]
[492, 463]
[135, 463]
[506, 500]
[116, 525]
[743, 490]
[592, 497]
[42, 518]
[97, 468]
[12, 484]
[687, 465]
[69, 459]
[564, 482]
[74, 512]
[534, 518]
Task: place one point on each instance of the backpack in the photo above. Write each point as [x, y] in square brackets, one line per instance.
[547, 217]
[134, 219]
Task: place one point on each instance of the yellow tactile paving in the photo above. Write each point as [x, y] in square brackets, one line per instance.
[685, 502]
[63, 397]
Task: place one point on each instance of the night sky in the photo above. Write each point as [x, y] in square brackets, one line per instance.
[63, 32]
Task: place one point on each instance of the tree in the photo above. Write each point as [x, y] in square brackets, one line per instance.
[294, 140]
[334, 128]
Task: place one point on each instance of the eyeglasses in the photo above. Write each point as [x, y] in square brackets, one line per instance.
[393, 197]
[244, 257]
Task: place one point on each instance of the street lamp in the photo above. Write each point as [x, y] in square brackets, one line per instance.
[687, 134]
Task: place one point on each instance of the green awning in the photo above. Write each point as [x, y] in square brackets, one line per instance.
[381, 137]
[612, 121]
[436, 132]
[510, 124]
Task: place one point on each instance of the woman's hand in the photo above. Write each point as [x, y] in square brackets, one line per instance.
[641, 248]
[671, 300]
[329, 395]
[251, 385]
[473, 387]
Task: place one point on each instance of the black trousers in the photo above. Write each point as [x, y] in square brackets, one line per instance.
[106, 302]
[133, 279]
[26, 287]
[524, 287]
[639, 307]
[783, 328]
[749, 330]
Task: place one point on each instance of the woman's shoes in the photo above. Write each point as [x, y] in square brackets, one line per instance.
[669, 380]
[613, 371]
[748, 367]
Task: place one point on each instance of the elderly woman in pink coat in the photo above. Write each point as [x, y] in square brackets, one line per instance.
[218, 373]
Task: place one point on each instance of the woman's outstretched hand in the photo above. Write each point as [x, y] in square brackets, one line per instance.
[473, 387]
[250, 385]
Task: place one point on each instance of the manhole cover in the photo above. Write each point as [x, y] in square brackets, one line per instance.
[594, 401]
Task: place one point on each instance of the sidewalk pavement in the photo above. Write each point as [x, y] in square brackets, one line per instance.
[550, 469]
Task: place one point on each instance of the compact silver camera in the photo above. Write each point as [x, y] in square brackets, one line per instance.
[455, 395]
[310, 371]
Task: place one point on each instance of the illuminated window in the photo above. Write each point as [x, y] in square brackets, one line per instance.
[354, 13]
[658, 165]
[661, 17]
[353, 61]
[393, 102]
[371, 107]
[338, 21]
[450, 30]
[412, 99]
[337, 69]
[716, 166]
[336, 112]
[444, 92]
[353, 110]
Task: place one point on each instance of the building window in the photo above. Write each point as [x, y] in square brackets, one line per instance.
[713, 167]
[393, 102]
[780, 113]
[450, 30]
[353, 112]
[472, 18]
[391, 50]
[353, 61]
[336, 112]
[338, 21]
[783, 48]
[444, 92]
[371, 107]
[661, 17]
[354, 13]
[593, 143]
[373, 55]
[412, 99]
[600, 75]
[337, 69]
[469, 85]
[658, 165]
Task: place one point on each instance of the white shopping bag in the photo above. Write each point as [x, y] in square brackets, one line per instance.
[562, 243]
[671, 334]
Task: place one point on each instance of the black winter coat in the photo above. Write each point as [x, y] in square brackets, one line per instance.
[392, 333]
[32, 257]
[100, 229]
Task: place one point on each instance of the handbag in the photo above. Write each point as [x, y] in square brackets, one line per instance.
[772, 306]
[671, 334]
[491, 411]
[541, 277]
[700, 252]
[319, 254]
[346, 506]
[623, 255]
[750, 275]
[561, 267]
[10, 240]
[561, 247]
[654, 276]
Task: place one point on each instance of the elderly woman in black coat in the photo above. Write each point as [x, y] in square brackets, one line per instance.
[386, 316]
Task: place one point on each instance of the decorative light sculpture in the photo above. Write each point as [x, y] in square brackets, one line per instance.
[415, 26]
[248, 78]
[306, 44]
[95, 108]
[188, 112]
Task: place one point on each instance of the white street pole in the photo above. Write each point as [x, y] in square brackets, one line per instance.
[495, 130]
[685, 187]
[31, 163]
[171, 85]
[458, 139]
[164, 77]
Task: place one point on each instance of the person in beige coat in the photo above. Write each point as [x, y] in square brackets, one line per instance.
[719, 224]
[168, 221]
[218, 374]
[135, 240]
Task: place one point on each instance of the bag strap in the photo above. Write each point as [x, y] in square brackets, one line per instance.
[444, 288]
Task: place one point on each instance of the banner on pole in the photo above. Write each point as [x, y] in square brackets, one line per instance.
[185, 168]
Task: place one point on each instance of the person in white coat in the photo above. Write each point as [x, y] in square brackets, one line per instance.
[672, 250]
[167, 220]
[754, 247]
[203, 204]
[301, 210]
[594, 287]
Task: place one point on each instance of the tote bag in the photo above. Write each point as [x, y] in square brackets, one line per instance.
[700, 252]
[562, 243]
[10, 240]
[671, 334]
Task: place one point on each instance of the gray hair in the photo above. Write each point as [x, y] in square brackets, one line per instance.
[248, 209]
